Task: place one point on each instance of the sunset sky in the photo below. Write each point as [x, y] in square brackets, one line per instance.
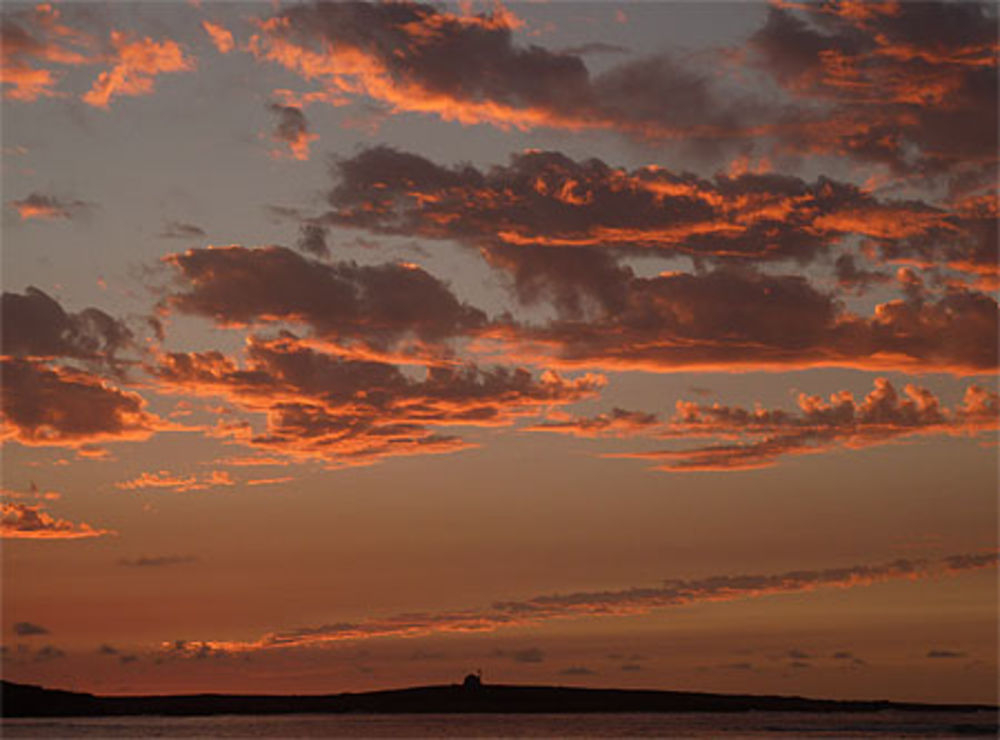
[363, 345]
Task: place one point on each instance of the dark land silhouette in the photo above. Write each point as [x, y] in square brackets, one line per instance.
[20, 700]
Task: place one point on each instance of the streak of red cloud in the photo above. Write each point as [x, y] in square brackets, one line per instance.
[176, 483]
[626, 602]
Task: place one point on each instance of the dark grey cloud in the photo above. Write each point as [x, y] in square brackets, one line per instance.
[577, 670]
[595, 47]
[525, 655]
[972, 560]
[413, 56]
[736, 318]
[42, 206]
[292, 129]
[181, 230]
[946, 654]
[914, 88]
[35, 325]
[62, 406]
[373, 304]
[312, 240]
[852, 277]
[29, 629]
[158, 561]
[48, 652]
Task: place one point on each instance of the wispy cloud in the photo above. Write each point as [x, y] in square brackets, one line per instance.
[630, 601]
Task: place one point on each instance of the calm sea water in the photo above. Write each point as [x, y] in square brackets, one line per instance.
[751, 724]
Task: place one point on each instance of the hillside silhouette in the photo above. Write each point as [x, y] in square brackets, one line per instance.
[21, 700]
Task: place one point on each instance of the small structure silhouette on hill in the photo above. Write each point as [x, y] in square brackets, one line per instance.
[473, 681]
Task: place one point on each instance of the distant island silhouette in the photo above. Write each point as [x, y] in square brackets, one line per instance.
[470, 697]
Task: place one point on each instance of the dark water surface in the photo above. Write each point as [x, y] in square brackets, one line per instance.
[749, 724]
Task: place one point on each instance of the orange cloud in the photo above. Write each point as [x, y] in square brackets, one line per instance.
[626, 602]
[50, 405]
[545, 199]
[136, 62]
[23, 521]
[617, 423]
[269, 481]
[292, 130]
[729, 319]
[33, 492]
[914, 88]
[45, 207]
[402, 56]
[374, 305]
[34, 326]
[221, 37]
[345, 412]
[177, 484]
[34, 36]
[760, 437]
